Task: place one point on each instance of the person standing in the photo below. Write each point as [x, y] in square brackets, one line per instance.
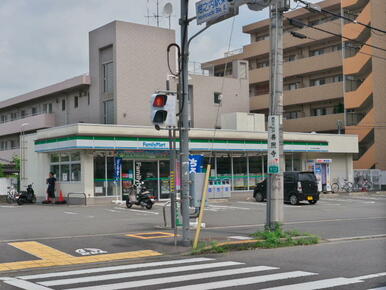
[51, 187]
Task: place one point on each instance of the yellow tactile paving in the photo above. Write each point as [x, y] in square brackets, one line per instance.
[41, 251]
[151, 235]
[51, 257]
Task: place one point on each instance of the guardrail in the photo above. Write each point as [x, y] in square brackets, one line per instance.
[79, 193]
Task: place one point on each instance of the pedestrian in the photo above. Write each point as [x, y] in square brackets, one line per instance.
[51, 187]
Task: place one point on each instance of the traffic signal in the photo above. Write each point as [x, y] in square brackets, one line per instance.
[163, 109]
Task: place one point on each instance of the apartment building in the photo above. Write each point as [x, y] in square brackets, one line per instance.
[331, 85]
[127, 64]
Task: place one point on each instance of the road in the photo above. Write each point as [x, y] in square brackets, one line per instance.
[71, 237]
[356, 264]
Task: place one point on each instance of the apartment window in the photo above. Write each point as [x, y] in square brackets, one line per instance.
[76, 102]
[319, 112]
[22, 114]
[108, 77]
[2, 145]
[293, 86]
[50, 108]
[13, 116]
[45, 108]
[66, 167]
[291, 58]
[263, 64]
[63, 104]
[3, 118]
[13, 144]
[108, 109]
[317, 52]
[217, 97]
[34, 111]
[317, 82]
[261, 37]
[336, 47]
[338, 78]
[291, 115]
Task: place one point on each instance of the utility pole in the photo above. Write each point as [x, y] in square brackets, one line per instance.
[276, 161]
[184, 123]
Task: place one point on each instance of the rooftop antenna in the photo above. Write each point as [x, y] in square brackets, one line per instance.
[167, 11]
[156, 16]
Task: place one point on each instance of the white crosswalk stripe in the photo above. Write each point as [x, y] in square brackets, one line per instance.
[185, 274]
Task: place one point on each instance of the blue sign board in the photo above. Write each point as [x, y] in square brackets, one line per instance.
[196, 163]
[207, 10]
[117, 168]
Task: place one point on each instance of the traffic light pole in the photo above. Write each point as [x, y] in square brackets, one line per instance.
[275, 143]
[184, 123]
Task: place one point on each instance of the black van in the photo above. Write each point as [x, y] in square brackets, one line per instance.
[298, 186]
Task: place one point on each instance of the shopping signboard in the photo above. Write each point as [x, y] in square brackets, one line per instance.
[210, 10]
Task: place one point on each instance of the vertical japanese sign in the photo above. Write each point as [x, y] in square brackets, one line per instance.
[117, 168]
[273, 165]
[196, 163]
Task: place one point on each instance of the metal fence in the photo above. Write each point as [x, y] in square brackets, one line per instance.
[375, 177]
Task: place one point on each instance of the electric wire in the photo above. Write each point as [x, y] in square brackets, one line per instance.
[298, 23]
[340, 16]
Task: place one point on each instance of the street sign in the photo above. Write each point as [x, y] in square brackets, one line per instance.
[273, 144]
[211, 10]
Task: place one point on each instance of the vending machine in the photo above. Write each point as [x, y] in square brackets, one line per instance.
[321, 169]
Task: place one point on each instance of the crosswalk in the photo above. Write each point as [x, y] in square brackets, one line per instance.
[185, 274]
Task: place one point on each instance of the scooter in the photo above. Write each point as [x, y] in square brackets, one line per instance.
[27, 196]
[139, 195]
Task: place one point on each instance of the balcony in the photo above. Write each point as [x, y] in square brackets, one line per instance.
[301, 96]
[313, 123]
[353, 30]
[34, 123]
[356, 99]
[354, 64]
[367, 160]
[364, 126]
[262, 47]
[300, 67]
[351, 3]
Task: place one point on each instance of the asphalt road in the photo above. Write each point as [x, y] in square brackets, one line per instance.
[69, 232]
[347, 265]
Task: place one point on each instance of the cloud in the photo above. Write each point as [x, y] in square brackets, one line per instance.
[46, 41]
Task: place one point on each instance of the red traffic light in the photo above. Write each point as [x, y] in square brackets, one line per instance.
[160, 100]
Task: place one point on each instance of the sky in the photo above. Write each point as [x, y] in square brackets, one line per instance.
[46, 41]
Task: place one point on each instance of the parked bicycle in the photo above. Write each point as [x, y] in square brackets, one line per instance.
[363, 184]
[347, 186]
[12, 194]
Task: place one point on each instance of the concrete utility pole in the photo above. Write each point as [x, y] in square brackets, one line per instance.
[276, 161]
[184, 122]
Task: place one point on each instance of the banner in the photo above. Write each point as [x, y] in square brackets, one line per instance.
[196, 163]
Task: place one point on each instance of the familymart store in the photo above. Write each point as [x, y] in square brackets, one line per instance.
[103, 161]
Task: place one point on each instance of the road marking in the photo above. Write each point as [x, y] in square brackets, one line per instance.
[320, 284]
[240, 238]
[142, 211]
[24, 284]
[115, 268]
[228, 207]
[243, 281]
[370, 276]
[151, 235]
[357, 238]
[70, 212]
[51, 257]
[380, 288]
[181, 278]
[137, 274]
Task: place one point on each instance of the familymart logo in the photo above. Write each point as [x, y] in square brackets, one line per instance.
[154, 145]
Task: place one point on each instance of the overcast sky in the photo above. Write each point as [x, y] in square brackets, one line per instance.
[46, 41]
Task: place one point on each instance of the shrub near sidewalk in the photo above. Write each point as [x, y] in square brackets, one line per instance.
[264, 239]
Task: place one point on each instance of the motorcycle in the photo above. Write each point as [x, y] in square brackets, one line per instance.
[139, 195]
[27, 196]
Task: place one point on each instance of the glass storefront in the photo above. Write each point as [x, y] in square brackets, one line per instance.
[242, 170]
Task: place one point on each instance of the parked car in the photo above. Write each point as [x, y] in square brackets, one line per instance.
[298, 186]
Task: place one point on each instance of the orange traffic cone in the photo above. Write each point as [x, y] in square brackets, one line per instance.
[61, 199]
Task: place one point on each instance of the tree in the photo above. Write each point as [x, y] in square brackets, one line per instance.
[1, 171]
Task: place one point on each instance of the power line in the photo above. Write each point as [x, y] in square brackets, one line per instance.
[317, 8]
[303, 36]
[300, 24]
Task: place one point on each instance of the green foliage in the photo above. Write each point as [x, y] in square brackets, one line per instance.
[16, 161]
[1, 171]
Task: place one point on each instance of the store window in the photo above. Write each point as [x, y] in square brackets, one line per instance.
[66, 166]
[256, 169]
[240, 173]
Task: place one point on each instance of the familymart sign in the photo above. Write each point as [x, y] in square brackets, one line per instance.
[161, 144]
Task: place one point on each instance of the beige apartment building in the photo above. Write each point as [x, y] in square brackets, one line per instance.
[331, 84]
[127, 64]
